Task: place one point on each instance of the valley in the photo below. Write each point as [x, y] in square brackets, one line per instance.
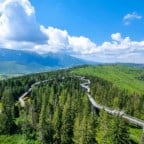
[26, 62]
[71, 72]
[55, 107]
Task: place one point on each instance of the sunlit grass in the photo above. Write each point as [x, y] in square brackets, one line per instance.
[122, 76]
[135, 134]
[15, 139]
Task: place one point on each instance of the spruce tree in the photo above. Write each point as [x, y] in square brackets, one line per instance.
[104, 134]
[67, 123]
[7, 112]
[120, 131]
[57, 123]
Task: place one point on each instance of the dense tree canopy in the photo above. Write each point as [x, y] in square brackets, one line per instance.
[59, 112]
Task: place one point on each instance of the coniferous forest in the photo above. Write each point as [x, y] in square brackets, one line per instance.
[59, 112]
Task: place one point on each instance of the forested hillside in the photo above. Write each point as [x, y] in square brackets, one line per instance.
[59, 112]
[128, 77]
[25, 62]
[117, 86]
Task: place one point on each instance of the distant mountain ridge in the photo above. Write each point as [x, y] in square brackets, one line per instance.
[18, 61]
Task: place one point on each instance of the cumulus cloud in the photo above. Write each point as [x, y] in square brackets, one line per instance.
[61, 41]
[116, 37]
[119, 49]
[18, 22]
[57, 39]
[20, 30]
[128, 18]
[82, 45]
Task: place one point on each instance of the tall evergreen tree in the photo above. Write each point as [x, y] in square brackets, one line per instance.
[67, 123]
[104, 133]
[57, 123]
[7, 112]
[120, 131]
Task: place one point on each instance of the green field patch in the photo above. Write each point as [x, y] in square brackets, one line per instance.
[135, 134]
[15, 139]
[122, 76]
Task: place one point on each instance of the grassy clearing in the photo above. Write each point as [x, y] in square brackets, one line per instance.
[135, 134]
[122, 76]
[15, 139]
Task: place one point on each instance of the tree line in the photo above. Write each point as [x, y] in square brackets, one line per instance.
[109, 95]
[59, 112]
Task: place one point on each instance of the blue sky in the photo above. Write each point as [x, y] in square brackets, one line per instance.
[97, 30]
[96, 19]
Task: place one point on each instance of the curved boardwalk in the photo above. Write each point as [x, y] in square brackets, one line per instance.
[86, 86]
[21, 98]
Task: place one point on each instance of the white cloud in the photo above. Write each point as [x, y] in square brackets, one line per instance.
[20, 30]
[82, 45]
[116, 37]
[130, 17]
[29, 9]
[119, 49]
[57, 39]
[60, 40]
[125, 50]
[18, 22]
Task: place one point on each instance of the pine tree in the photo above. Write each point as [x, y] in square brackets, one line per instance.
[120, 131]
[42, 123]
[67, 123]
[104, 134]
[88, 133]
[7, 112]
[85, 125]
[77, 138]
[57, 125]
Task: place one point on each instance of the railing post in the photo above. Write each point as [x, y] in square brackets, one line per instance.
[142, 137]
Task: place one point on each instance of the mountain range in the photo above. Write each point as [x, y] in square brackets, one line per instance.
[18, 61]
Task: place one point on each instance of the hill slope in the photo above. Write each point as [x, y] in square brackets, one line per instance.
[16, 61]
[124, 77]
[58, 111]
